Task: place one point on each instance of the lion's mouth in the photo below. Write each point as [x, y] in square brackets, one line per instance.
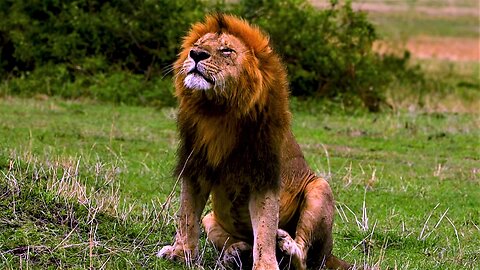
[196, 80]
[195, 71]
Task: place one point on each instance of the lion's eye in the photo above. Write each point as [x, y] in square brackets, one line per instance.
[226, 51]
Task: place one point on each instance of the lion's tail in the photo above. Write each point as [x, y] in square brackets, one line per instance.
[336, 263]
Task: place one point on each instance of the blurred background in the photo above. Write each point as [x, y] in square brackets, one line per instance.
[369, 54]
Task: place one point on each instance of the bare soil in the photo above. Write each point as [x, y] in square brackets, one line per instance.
[448, 10]
[443, 8]
[443, 48]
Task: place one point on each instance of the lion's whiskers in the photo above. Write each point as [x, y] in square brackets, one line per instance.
[183, 70]
[167, 70]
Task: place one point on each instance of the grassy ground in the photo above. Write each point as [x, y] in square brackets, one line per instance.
[88, 185]
[421, 26]
[406, 19]
[388, 25]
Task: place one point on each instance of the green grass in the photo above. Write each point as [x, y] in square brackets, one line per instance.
[406, 19]
[78, 178]
[398, 20]
[399, 26]
[448, 87]
[85, 184]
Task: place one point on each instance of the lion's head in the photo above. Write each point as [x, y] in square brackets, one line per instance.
[226, 60]
[214, 61]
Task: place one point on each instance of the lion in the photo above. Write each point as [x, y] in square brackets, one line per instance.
[236, 146]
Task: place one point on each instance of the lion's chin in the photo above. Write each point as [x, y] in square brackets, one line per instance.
[197, 82]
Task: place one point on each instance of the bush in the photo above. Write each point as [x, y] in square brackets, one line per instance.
[112, 86]
[116, 50]
[106, 50]
[137, 35]
[328, 53]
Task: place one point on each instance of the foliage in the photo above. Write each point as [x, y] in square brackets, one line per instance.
[123, 46]
[106, 50]
[328, 53]
[110, 86]
[132, 34]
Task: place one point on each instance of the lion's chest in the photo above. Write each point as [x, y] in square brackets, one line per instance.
[216, 137]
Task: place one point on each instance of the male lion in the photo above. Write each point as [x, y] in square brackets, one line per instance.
[236, 144]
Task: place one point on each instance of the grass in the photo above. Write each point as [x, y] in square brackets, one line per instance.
[77, 190]
[449, 87]
[405, 19]
[87, 185]
[399, 26]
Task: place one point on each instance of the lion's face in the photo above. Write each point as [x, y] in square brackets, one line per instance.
[228, 62]
[213, 62]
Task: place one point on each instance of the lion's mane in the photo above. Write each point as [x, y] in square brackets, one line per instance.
[254, 110]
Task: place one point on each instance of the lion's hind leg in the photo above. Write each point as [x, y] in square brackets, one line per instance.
[313, 240]
[234, 253]
[314, 228]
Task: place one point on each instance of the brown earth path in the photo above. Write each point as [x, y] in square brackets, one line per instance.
[449, 8]
[442, 48]
[445, 48]
[427, 10]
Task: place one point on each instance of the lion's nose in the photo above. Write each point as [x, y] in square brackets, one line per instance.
[199, 55]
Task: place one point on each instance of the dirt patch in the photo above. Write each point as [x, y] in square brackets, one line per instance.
[447, 9]
[447, 48]
[430, 11]
[444, 48]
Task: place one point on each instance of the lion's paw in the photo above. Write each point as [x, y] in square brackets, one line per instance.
[286, 243]
[167, 252]
[289, 247]
[173, 253]
[237, 255]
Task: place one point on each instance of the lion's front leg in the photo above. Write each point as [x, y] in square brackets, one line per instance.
[192, 201]
[264, 207]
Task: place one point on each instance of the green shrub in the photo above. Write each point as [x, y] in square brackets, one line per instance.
[133, 34]
[116, 86]
[328, 52]
[116, 50]
[106, 50]
[127, 88]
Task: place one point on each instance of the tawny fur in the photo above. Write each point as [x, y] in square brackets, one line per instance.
[236, 146]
